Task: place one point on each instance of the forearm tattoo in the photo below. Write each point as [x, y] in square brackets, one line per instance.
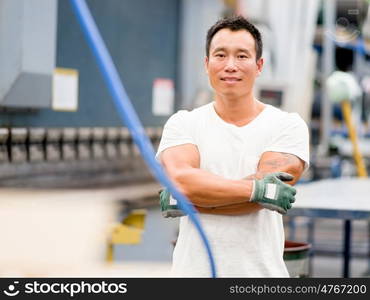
[284, 160]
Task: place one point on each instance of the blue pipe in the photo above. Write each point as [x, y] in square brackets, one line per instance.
[359, 46]
[129, 116]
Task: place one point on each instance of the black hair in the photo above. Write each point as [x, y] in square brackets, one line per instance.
[236, 23]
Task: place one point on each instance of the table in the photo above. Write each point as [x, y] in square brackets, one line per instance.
[340, 198]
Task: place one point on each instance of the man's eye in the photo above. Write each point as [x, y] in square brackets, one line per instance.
[242, 56]
[220, 55]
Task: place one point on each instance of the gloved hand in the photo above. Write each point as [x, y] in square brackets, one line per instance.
[272, 193]
[168, 205]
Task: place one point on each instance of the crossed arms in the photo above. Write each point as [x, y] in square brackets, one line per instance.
[214, 194]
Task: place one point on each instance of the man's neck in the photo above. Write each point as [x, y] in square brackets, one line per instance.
[238, 111]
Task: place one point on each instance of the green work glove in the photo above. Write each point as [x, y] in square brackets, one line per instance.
[168, 205]
[272, 193]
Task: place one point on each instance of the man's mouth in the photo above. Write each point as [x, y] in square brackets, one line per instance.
[230, 79]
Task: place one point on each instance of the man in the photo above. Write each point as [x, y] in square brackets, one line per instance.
[224, 156]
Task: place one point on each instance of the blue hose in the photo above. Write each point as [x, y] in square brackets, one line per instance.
[129, 116]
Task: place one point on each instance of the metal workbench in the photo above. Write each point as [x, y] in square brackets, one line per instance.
[342, 198]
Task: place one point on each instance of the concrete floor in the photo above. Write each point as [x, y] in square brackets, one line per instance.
[331, 266]
[154, 253]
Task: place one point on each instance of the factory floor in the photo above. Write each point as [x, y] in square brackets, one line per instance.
[322, 266]
[152, 258]
[329, 266]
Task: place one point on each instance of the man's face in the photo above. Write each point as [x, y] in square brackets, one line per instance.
[231, 66]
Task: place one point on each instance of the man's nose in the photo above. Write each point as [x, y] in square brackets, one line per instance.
[230, 65]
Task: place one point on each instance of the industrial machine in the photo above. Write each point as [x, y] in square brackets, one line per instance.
[58, 126]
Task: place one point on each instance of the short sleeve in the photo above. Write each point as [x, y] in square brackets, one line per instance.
[291, 136]
[177, 131]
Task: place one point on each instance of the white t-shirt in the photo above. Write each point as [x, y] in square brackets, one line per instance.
[249, 245]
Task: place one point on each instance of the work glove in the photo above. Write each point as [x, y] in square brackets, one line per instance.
[272, 193]
[168, 205]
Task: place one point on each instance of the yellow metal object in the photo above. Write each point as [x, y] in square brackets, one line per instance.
[123, 234]
[109, 256]
[361, 168]
[232, 4]
[128, 232]
[136, 219]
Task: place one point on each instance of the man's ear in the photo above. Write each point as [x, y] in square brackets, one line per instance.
[260, 63]
[206, 61]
